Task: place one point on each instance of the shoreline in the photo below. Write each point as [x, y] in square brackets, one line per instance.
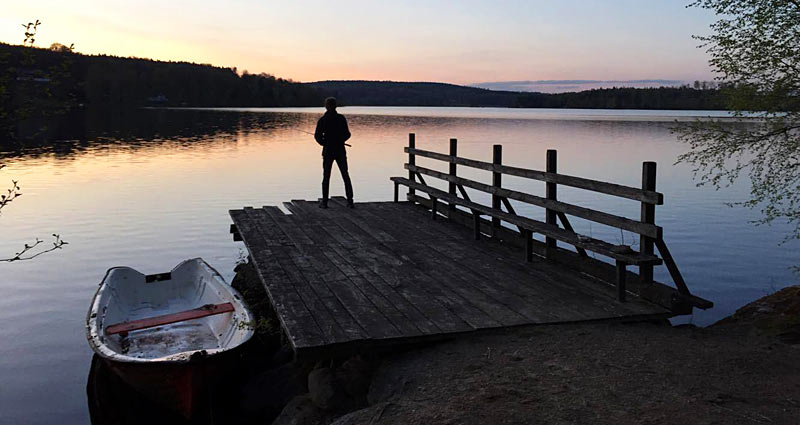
[742, 369]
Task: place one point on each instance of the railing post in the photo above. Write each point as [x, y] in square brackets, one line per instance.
[648, 216]
[550, 193]
[452, 185]
[412, 162]
[497, 159]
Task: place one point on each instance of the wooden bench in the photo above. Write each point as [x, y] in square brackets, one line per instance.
[651, 236]
[151, 322]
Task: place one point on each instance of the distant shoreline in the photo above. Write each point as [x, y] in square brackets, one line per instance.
[483, 112]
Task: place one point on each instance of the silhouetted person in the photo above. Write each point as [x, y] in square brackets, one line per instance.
[331, 134]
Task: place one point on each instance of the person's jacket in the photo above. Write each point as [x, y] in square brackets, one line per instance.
[331, 133]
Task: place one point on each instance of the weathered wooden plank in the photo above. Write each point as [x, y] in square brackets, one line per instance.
[377, 233]
[297, 237]
[628, 192]
[450, 251]
[365, 305]
[459, 305]
[298, 323]
[318, 306]
[425, 313]
[420, 279]
[647, 229]
[405, 317]
[337, 310]
[604, 273]
[486, 312]
[547, 301]
[570, 289]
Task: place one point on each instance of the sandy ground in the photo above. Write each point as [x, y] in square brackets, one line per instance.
[590, 374]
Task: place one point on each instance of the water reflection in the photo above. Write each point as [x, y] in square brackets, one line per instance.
[95, 129]
[150, 188]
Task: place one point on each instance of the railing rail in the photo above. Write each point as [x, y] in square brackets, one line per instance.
[646, 196]
[651, 235]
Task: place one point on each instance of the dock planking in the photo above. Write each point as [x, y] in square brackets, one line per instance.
[344, 280]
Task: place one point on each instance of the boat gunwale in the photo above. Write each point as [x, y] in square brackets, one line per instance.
[94, 335]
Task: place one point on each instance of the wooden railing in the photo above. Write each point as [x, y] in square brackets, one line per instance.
[651, 235]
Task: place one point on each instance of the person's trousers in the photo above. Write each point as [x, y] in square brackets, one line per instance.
[327, 166]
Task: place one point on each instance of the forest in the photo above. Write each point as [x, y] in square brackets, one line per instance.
[389, 93]
[65, 76]
[37, 83]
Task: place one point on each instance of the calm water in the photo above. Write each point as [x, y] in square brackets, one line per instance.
[148, 189]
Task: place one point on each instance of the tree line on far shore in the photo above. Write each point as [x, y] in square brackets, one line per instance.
[389, 93]
[75, 78]
[38, 82]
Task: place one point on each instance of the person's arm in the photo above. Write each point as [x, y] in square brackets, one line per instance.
[346, 132]
[319, 136]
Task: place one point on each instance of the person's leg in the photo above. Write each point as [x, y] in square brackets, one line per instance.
[341, 161]
[327, 165]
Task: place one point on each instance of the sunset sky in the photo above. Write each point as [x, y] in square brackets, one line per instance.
[459, 42]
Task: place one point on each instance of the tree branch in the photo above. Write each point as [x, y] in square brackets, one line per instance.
[20, 256]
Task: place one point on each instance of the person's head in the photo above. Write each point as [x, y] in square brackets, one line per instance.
[330, 103]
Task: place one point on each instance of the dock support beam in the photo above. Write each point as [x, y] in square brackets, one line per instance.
[550, 193]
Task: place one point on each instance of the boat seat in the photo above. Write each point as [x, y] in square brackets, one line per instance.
[150, 322]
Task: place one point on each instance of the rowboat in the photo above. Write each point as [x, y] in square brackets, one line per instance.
[164, 334]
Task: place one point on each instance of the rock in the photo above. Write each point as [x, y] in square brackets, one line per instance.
[324, 389]
[354, 376]
[387, 384]
[283, 355]
[266, 394]
[300, 411]
[776, 315]
[369, 415]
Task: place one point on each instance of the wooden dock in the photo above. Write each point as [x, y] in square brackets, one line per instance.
[345, 280]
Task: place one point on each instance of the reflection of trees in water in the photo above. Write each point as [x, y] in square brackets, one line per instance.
[140, 129]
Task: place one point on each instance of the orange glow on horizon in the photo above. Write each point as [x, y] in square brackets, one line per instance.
[316, 40]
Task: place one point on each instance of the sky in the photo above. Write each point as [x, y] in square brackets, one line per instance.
[460, 42]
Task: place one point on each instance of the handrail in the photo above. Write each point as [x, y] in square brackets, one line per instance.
[635, 226]
[646, 196]
[536, 226]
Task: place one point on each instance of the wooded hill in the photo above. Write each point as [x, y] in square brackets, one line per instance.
[389, 93]
[61, 75]
[34, 81]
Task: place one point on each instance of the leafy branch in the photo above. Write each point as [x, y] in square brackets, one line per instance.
[12, 193]
[754, 49]
[27, 253]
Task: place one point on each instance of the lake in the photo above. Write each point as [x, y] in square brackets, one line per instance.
[150, 188]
